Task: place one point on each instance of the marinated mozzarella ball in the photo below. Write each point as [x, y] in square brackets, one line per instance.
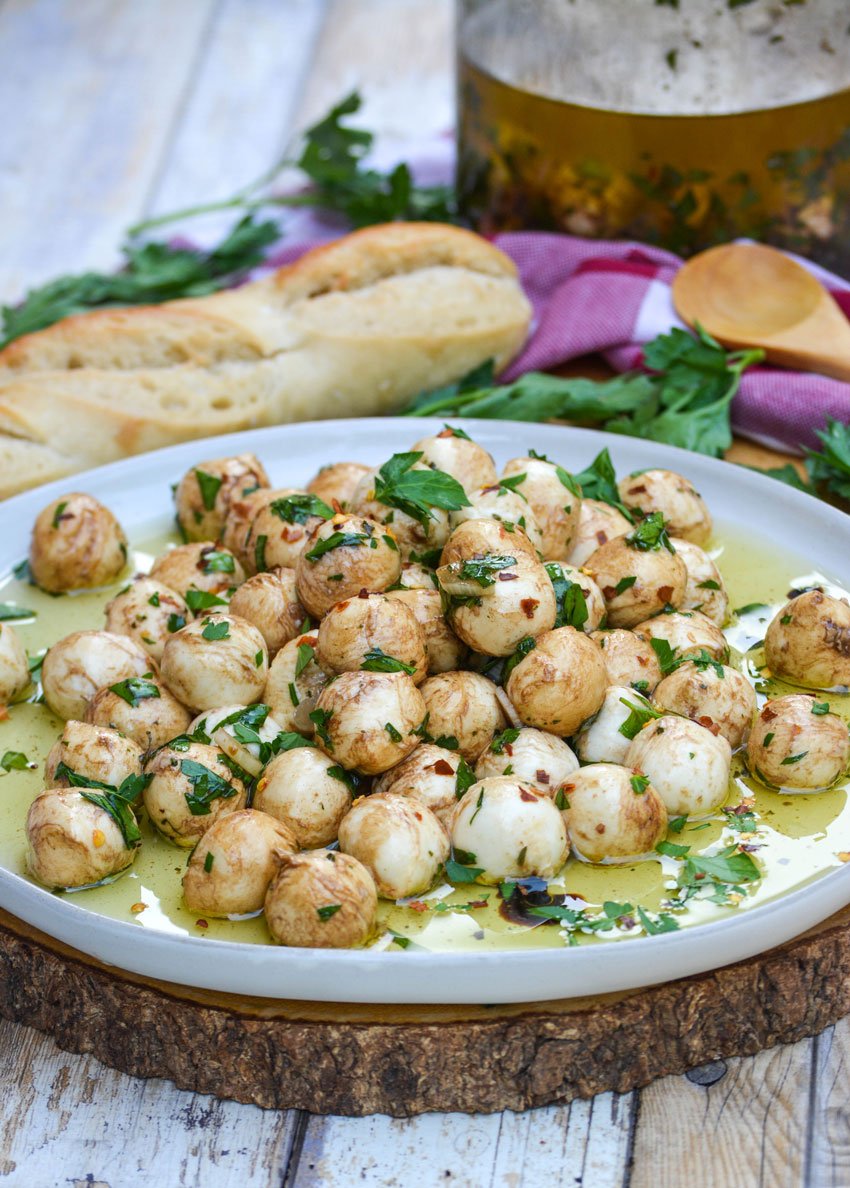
[563, 577]
[715, 696]
[463, 706]
[148, 612]
[191, 788]
[629, 659]
[809, 641]
[269, 601]
[415, 576]
[553, 496]
[300, 789]
[149, 721]
[636, 582]
[560, 683]
[664, 491]
[336, 483]
[686, 764]
[368, 721]
[598, 523]
[232, 729]
[459, 456]
[533, 756]
[199, 566]
[14, 666]
[505, 507]
[294, 683]
[72, 842]
[372, 632]
[412, 535]
[321, 900]
[202, 497]
[496, 601]
[705, 590]
[76, 544]
[797, 743]
[344, 556]
[478, 537]
[509, 830]
[687, 632]
[85, 661]
[94, 753]
[234, 862]
[399, 841]
[280, 528]
[613, 813]
[430, 774]
[444, 652]
[601, 738]
[237, 524]
[219, 658]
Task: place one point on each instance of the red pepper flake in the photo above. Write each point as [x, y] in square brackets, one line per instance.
[312, 640]
[138, 907]
[527, 796]
[639, 490]
[364, 593]
[201, 924]
[441, 767]
[529, 606]
[709, 724]
[418, 906]
[600, 828]
[507, 577]
[340, 606]
[477, 903]
[768, 714]
[665, 593]
[446, 433]
[602, 537]
[609, 592]
[291, 533]
[542, 776]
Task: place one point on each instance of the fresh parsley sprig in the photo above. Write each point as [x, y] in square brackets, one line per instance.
[417, 492]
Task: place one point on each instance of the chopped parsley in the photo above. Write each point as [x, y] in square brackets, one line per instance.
[505, 739]
[218, 561]
[198, 600]
[134, 690]
[330, 909]
[570, 602]
[321, 719]
[209, 485]
[336, 540]
[298, 509]
[394, 734]
[207, 786]
[481, 570]
[650, 535]
[214, 631]
[377, 660]
[416, 492]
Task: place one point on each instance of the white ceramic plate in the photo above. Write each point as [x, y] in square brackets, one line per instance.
[138, 491]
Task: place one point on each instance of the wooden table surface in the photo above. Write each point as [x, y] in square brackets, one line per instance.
[118, 108]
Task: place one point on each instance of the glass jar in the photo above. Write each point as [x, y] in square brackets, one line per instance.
[678, 122]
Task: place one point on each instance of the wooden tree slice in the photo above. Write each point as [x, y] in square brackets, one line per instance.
[353, 1059]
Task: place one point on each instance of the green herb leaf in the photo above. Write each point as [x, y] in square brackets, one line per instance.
[377, 660]
[624, 584]
[503, 740]
[395, 735]
[464, 777]
[306, 653]
[819, 708]
[830, 466]
[729, 866]
[638, 718]
[663, 922]
[793, 759]
[135, 689]
[208, 861]
[639, 784]
[14, 761]
[298, 509]
[175, 622]
[416, 492]
[321, 719]
[513, 483]
[749, 608]
[330, 909]
[650, 534]
[570, 601]
[349, 778]
[480, 570]
[210, 485]
[672, 850]
[526, 645]
[217, 561]
[460, 872]
[336, 540]
[207, 786]
[9, 611]
[214, 631]
[260, 553]
[198, 600]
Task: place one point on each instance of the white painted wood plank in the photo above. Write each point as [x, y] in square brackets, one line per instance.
[829, 1148]
[88, 91]
[66, 1118]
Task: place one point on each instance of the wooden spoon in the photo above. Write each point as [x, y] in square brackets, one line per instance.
[748, 295]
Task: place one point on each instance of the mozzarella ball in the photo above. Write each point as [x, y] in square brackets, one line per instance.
[724, 702]
[686, 632]
[791, 746]
[598, 523]
[356, 630]
[613, 814]
[367, 721]
[430, 775]
[191, 788]
[600, 739]
[229, 729]
[444, 652]
[233, 863]
[269, 601]
[280, 528]
[336, 483]
[463, 459]
[72, 842]
[503, 505]
[478, 537]
[237, 524]
[415, 576]
[664, 491]
[495, 601]
[321, 899]
[93, 752]
[556, 503]
[559, 574]
[85, 661]
[198, 566]
[629, 659]
[217, 659]
[14, 666]
[344, 556]
[399, 841]
[636, 583]
[77, 544]
[148, 612]
[686, 764]
[148, 721]
[560, 683]
[202, 497]
[533, 756]
[463, 706]
[705, 590]
[412, 535]
[298, 788]
[294, 683]
[509, 830]
[809, 641]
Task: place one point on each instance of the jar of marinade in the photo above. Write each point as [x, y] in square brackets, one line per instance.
[678, 122]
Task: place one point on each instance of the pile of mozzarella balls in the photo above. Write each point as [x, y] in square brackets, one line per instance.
[325, 697]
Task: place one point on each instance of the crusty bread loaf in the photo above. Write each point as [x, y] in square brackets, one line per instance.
[352, 329]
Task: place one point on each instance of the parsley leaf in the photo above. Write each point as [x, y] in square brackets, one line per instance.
[197, 600]
[9, 611]
[505, 739]
[570, 601]
[377, 660]
[650, 535]
[134, 690]
[336, 540]
[214, 631]
[14, 760]
[480, 570]
[638, 718]
[297, 509]
[209, 485]
[416, 492]
[207, 786]
[830, 466]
